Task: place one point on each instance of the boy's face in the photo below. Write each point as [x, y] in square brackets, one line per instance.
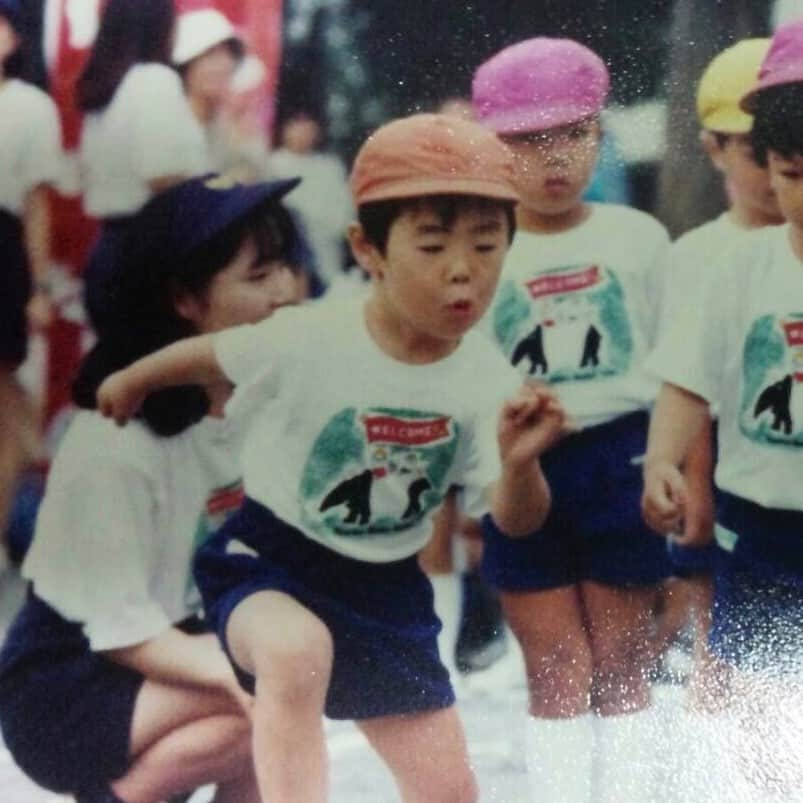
[554, 167]
[435, 279]
[786, 177]
[748, 182]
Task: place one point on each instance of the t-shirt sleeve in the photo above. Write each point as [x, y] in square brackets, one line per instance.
[166, 139]
[256, 353]
[44, 158]
[92, 555]
[692, 349]
[656, 278]
[481, 465]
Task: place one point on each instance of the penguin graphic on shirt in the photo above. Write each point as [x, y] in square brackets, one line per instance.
[532, 347]
[358, 491]
[377, 471]
[777, 398]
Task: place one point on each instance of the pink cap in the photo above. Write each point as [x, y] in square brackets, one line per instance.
[783, 63]
[538, 84]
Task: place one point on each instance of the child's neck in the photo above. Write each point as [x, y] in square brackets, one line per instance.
[796, 240]
[749, 218]
[204, 110]
[529, 219]
[399, 340]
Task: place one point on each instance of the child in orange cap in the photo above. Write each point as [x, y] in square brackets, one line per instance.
[314, 588]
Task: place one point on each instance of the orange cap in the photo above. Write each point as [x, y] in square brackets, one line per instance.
[432, 154]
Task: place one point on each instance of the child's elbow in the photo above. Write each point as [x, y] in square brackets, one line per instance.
[523, 522]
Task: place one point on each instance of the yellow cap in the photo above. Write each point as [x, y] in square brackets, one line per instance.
[725, 81]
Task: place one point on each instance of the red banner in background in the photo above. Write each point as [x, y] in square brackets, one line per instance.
[73, 24]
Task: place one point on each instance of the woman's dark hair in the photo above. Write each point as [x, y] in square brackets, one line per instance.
[145, 317]
[131, 32]
[778, 121]
[377, 217]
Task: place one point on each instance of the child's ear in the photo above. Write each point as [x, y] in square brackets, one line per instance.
[712, 147]
[188, 306]
[365, 252]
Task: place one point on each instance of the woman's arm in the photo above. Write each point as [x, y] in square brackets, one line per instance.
[176, 658]
[36, 228]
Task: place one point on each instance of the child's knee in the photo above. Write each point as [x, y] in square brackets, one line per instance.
[297, 669]
[566, 659]
[459, 787]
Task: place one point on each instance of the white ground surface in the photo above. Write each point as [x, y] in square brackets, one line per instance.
[491, 705]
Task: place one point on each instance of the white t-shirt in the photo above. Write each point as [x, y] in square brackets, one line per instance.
[580, 308]
[696, 250]
[740, 345]
[357, 449]
[30, 143]
[146, 132]
[122, 516]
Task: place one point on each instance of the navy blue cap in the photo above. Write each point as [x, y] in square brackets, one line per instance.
[10, 9]
[185, 217]
[138, 256]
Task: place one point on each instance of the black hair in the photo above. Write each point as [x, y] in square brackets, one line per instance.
[377, 217]
[778, 121]
[131, 32]
[722, 139]
[146, 318]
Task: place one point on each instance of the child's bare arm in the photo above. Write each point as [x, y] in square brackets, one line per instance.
[187, 362]
[674, 425]
[528, 426]
[698, 468]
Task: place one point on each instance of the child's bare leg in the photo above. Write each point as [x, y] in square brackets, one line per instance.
[289, 651]
[619, 624]
[675, 600]
[550, 628]
[427, 755]
[183, 738]
[709, 684]
[559, 735]
[17, 440]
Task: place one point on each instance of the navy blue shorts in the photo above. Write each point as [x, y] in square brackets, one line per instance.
[380, 615]
[15, 291]
[757, 617]
[65, 711]
[594, 530]
[692, 561]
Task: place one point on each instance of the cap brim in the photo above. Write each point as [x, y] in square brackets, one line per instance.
[728, 121]
[242, 199]
[540, 118]
[793, 74]
[411, 188]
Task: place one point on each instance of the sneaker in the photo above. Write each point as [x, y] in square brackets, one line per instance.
[481, 638]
